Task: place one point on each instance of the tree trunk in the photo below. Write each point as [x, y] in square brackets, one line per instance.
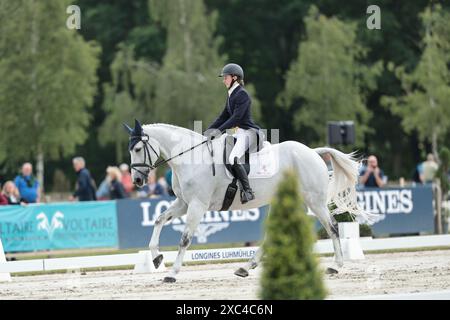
[434, 146]
[438, 203]
[119, 153]
[40, 169]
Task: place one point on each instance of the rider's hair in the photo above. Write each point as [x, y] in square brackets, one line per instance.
[239, 80]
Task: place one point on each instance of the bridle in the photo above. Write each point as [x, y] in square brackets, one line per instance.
[147, 146]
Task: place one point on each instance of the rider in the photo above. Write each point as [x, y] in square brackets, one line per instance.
[236, 115]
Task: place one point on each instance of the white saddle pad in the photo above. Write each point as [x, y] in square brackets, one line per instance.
[263, 164]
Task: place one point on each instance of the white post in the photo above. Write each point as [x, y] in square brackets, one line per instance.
[351, 245]
[3, 276]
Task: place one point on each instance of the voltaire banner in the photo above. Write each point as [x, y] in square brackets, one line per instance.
[58, 226]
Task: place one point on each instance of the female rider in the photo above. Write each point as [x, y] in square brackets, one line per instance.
[237, 116]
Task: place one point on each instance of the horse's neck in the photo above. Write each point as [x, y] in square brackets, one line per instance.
[172, 139]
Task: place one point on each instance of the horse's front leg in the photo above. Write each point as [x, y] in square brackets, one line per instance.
[176, 209]
[251, 264]
[195, 212]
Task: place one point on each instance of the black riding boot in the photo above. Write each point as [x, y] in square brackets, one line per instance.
[246, 192]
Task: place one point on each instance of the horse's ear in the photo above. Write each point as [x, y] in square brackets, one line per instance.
[127, 128]
[137, 126]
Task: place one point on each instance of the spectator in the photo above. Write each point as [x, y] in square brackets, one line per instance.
[152, 188]
[28, 185]
[103, 189]
[116, 189]
[11, 193]
[372, 175]
[430, 167]
[327, 158]
[126, 178]
[85, 189]
[168, 177]
[3, 200]
[418, 173]
[162, 181]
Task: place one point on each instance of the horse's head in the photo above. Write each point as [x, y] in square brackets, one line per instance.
[144, 152]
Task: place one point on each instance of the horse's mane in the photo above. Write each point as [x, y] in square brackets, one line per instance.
[171, 126]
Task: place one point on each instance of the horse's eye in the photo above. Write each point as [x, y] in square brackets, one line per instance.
[138, 149]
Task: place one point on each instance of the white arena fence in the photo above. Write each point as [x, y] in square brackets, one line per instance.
[143, 263]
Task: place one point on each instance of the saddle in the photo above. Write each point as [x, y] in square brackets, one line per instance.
[255, 147]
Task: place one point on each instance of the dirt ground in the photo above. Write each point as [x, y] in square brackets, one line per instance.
[388, 273]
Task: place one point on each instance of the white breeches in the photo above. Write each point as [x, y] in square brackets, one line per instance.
[243, 138]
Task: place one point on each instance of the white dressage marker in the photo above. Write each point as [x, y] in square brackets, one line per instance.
[351, 244]
[5, 276]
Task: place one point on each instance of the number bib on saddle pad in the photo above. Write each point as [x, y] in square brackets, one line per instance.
[263, 164]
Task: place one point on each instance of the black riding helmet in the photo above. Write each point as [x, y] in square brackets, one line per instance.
[232, 69]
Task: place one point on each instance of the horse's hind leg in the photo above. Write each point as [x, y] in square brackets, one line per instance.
[196, 210]
[177, 209]
[331, 226]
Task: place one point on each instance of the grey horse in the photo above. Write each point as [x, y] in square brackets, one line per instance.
[198, 191]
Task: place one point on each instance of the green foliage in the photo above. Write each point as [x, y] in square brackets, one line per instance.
[48, 81]
[183, 88]
[424, 105]
[290, 269]
[364, 229]
[128, 97]
[328, 79]
[188, 87]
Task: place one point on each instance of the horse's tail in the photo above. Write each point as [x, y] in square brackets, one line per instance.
[342, 188]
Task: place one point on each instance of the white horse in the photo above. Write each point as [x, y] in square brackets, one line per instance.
[198, 191]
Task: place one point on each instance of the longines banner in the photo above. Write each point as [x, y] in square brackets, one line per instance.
[129, 223]
[400, 210]
[58, 226]
[136, 219]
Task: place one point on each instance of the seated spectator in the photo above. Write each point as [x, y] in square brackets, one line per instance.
[28, 185]
[116, 189]
[126, 178]
[372, 175]
[11, 193]
[85, 190]
[430, 167]
[152, 188]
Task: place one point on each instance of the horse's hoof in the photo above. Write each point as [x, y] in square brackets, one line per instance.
[241, 272]
[157, 261]
[331, 271]
[169, 280]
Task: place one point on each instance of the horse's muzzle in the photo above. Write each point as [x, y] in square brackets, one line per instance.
[138, 182]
